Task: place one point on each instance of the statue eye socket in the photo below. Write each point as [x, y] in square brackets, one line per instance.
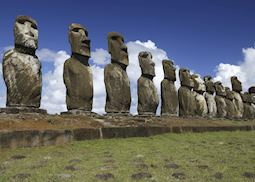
[114, 38]
[21, 21]
[76, 30]
[33, 26]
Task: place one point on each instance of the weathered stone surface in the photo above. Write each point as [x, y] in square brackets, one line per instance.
[209, 97]
[238, 104]
[236, 84]
[169, 96]
[147, 92]
[209, 84]
[237, 88]
[211, 105]
[199, 89]
[220, 100]
[118, 96]
[77, 73]
[230, 106]
[21, 67]
[252, 92]
[19, 110]
[187, 103]
[248, 108]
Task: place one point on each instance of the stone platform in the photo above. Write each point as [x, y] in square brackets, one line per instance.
[33, 130]
[20, 110]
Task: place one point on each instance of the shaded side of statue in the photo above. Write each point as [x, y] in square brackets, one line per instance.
[187, 102]
[220, 100]
[169, 96]
[147, 92]
[77, 72]
[237, 89]
[118, 96]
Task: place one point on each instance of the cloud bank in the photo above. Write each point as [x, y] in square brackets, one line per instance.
[244, 70]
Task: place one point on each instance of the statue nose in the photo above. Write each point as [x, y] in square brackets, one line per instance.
[30, 34]
[124, 48]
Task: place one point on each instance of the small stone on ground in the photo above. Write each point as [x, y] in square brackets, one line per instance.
[171, 166]
[142, 175]
[105, 176]
[249, 175]
[218, 175]
[17, 157]
[179, 175]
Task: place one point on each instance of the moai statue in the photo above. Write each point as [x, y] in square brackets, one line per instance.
[118, 96]
[220, 99]
[237, 88]
[169, 95]
[230, 106]
[199, 89]
[77, 72]
[209, 97]
[252, 93]
[187, 103]
[147, 92]
[248, 108]
[22, 69]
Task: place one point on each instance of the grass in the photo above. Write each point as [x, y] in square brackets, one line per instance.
[215, 156]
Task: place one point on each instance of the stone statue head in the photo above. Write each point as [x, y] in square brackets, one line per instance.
[252, 90]
[209, 84]
[169, 70]
[236, 84]
[185, 78]
[26, 32]
[247, 98]
[229, 94]
[199, 85]
[117, 48]
[146, 64]
[220, 89]
[78, 39]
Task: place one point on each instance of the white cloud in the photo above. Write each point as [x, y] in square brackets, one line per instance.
[53, 91]
[244, 70]
[100, 56]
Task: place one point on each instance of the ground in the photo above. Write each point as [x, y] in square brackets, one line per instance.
[214, 156]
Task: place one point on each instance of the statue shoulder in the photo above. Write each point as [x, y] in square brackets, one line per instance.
[8, 54]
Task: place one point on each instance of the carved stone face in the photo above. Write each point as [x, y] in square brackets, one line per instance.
[117, 48]
[199, 85]
[146, 63]
[26, 32]
[236, 84]
[252, 93]
[229, 94]
[220, 89]
[209, 84]
[78, 38]
[169, 70]
[185, 78]
[247, 98]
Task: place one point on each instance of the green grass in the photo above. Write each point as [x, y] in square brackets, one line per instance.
[198, 156]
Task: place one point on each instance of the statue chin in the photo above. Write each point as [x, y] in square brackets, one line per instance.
[28, 44]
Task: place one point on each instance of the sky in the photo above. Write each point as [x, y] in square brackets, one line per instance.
[208, 37]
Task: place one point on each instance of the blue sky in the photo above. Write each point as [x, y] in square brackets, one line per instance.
[197, 34]
[215, 37]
